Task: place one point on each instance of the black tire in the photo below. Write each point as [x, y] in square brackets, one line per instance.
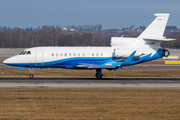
[98, 76]
[31, 76]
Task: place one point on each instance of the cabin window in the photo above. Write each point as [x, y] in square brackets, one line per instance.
[74, 54]
[97, 54]
[65, 54]
[69, 54]
[83, 54]
[61, 54]
[92, 54]
[88, 54]
[78, 54]
[101, 54]
[52, 54]
[56, 54]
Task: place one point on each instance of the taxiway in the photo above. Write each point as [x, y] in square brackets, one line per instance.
[91, 82]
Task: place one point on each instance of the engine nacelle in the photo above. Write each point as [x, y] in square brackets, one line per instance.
[165, 53]
[118, 52]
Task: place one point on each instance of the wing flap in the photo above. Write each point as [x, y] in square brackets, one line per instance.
[102, 66]
[88, 66]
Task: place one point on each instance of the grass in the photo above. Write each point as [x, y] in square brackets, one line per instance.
[1, 61]
[90, 103]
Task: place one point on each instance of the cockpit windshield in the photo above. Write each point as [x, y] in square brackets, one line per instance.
[28, 52]
[25, 53]
[21, 53]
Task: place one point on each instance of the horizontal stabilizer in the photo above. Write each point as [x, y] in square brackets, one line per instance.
[159, 39]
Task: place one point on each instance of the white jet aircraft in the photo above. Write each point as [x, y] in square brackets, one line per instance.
[123, 52]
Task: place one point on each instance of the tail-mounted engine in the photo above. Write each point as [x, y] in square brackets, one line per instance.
[165, 53]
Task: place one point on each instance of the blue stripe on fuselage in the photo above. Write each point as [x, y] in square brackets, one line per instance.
[77, 60]
[68, 62]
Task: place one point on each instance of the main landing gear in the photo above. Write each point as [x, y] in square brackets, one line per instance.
[31, 75]
[98, 74]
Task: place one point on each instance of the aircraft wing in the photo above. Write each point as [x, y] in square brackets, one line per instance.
[129, 59]
[90, 66]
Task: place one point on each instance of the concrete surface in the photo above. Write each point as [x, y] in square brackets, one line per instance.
[91, 82]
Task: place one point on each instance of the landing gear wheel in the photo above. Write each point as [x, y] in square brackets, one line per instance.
[31, 76]
[31, 73]
[98, 76]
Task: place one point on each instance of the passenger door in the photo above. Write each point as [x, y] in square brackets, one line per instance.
[39, 58]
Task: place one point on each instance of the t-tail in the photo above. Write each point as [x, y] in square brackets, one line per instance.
[156, 28]
[153, 34]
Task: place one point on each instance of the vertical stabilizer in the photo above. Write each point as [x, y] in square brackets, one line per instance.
[156, 28]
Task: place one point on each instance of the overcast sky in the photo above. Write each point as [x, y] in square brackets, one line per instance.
[110, 13]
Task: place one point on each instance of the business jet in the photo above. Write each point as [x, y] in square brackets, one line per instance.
[123, 52]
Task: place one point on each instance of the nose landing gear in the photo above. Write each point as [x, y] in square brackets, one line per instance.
[31, 75]
[98, 74]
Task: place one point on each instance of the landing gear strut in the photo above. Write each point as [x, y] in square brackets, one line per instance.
[31, 75]
[98, 74]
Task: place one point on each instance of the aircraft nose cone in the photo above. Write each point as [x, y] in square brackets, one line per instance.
[6, 61]
[10, 60]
